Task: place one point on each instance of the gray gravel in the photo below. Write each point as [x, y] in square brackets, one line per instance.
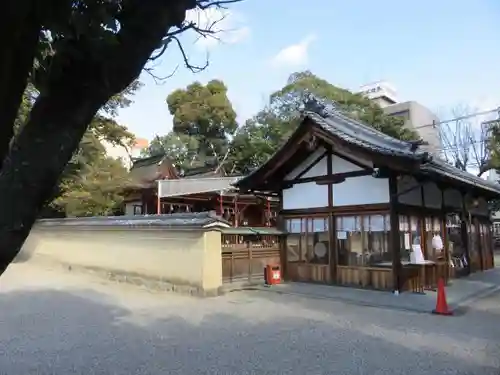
[58, 323]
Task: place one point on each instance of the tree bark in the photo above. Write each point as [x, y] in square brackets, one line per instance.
[78, 86]
[23, 25]
[36, 161]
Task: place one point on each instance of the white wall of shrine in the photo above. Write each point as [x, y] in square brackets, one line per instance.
[359, 190]
[364, 190]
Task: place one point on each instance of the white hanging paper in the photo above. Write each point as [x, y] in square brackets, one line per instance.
[416, 255]
[437, 242]
[407, 241]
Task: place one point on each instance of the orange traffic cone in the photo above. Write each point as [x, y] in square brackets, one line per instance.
[441, 304]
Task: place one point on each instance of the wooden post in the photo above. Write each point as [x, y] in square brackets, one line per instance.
[221, 206]
[268, 209]
[444, 235]
[394, 234]
[423, 219]
[236, 211]
[333, 255]
[249, 245]
[465, 233]
[158, 199]
[281, 224]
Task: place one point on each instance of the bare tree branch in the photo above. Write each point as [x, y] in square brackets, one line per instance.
[208, 31]
[158, 79]
[466, 139]
[193, 68]
[205, 4]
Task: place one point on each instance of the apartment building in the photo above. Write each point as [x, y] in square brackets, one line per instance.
[416, 116]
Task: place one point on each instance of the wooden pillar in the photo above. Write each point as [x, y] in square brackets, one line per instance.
[268, 211]
[158, 199]
[281, 225]
[333, 256]
[143, 203]
[221, 205]
[394, 234]
[423, 223]
[465, 233]
[477, 228]
[236, 211]
[444, 235]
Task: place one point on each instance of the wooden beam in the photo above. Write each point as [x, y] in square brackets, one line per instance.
[287, 150]
[341, 177]
[394, 234]
[328, 179]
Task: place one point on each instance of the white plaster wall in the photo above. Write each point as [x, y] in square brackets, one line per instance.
[353, 191]
[319, 169]
[303, 166]
[308, 195]
[361, 190]
[357, 190]
[340, 165]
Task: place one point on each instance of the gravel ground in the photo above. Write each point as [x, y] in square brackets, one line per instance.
[62, 323]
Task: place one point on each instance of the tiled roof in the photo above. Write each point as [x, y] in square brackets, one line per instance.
[357, 133]
[333, 121]
[146, 171]
[441, 167]
[193, 220]
[155, 159]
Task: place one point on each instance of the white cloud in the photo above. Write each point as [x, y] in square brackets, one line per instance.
[228, 27]
[294, 55]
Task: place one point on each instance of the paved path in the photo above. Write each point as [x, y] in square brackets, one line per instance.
[59, 323]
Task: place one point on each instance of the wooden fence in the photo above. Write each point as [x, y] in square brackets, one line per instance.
[247, 251]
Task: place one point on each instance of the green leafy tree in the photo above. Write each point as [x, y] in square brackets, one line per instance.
[78, 54]
[204, 113]
[90, 153]
[96, 189]
[258, 139]
[182, 149]
[262, 135]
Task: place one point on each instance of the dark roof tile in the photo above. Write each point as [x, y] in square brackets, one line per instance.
[362, 135]
[445, 169]
[177, 220]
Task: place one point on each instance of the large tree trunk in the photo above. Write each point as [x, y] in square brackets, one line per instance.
[79, 84]
[36, 161]
[22, 24]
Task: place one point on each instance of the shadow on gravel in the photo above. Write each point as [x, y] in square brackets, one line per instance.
[476, 321]
[56, 332]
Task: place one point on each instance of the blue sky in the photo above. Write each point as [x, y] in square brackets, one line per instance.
[440, 53]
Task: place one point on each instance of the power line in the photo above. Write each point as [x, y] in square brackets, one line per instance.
[475, 114]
